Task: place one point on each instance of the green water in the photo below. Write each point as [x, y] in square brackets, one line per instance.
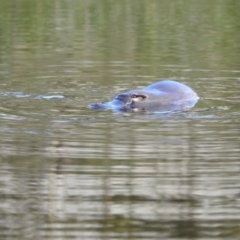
[70, 172]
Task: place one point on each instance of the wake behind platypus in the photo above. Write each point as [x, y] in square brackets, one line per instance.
[166, 95]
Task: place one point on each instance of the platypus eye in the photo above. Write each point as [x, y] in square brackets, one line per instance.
[139, 96]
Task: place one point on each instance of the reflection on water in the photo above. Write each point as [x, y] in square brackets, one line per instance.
[69, 172]
[121, 176]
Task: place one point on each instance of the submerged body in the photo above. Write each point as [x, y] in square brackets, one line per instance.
[166, 95]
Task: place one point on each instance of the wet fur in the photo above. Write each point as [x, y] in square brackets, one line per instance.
[167, 95]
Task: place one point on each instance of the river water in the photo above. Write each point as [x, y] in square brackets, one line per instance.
[67, 171]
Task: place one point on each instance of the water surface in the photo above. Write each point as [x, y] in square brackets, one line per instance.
[69, 172]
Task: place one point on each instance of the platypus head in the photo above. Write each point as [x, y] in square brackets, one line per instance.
[122, 102]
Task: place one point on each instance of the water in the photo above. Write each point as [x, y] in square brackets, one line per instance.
[69, 172]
